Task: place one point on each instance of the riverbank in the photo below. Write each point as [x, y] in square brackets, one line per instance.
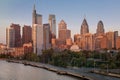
[82, 73]
[106, 74]
[56, 70]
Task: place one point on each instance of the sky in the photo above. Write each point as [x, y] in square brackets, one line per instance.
[71, 11]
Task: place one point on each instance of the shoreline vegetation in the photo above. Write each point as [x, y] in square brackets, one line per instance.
[101, 61]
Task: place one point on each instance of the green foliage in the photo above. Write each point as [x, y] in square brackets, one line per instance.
[118, 56]
[103, 66]
[46, 56]
[31, 57]
[6, 56]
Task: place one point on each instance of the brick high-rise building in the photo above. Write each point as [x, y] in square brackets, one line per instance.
[118, 43]
[16, 27]
[115, 37]
[46, 36]
[64, 33]
[27, 34]
[111, 40]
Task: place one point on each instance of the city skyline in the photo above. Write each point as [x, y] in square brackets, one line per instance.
[73, 12]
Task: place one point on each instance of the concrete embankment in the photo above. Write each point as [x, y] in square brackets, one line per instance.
[61, 72]
[106, 74]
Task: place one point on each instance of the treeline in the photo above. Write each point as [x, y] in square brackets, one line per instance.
[77, 59]
[68, 58]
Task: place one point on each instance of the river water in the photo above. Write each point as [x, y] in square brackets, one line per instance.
[14, 71]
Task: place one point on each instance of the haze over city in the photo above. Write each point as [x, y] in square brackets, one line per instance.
[72, 11]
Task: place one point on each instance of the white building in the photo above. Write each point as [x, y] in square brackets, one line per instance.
[37, 32]
[37, 36]
[10, 37]
[52, 22]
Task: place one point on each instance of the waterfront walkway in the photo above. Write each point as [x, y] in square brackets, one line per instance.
[83, 73]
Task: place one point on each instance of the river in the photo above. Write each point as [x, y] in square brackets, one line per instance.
[14, 71]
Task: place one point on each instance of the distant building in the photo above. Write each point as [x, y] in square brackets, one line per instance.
[64, 33]
[37, 32]
[84, 27]
[10, 37]
[75, 48]
[118, 43]
[27, 34]
[52, 22]
[100, 28]
[18, 41]
[46, 36]
[36, 18]
[17, 52]
[37, 36]
[27, 48]
[115, 37]
[69, 42]
[111, 40]
[85, 39]
[100, 42]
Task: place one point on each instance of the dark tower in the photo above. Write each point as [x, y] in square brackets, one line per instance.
[18, 41]
[100, 28]
[84, 27]
[34, 15]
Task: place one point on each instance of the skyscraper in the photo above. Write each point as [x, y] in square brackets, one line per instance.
[100, 28]
[84, 27]
[18, 41]
[39, 19]
[27, 34]
[111, 41]
[64, 33]
[46, 36]
[52, 22]
[37, 32]
[34, 20]
[37, 36]
[118, 42]
[10, 37]
[115, 37]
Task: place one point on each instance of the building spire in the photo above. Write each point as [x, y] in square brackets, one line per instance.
[34, 5]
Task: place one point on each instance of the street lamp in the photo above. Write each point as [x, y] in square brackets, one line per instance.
[107, 69]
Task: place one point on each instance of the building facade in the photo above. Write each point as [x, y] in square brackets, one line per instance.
[63, 32]
[37, 32]
[52, 23]
[37, 37]
[10, 37]
[118, 43]
[27, 34]
[18, 41]
[100, 28]
[84, 27]
[46, 36]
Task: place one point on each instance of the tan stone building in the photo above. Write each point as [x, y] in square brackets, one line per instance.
[111, 41]
[118, 43]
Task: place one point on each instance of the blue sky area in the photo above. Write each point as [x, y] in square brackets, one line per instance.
[71, 11]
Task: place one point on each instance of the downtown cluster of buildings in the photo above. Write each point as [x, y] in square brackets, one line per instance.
[43, 36]
[98, 41]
